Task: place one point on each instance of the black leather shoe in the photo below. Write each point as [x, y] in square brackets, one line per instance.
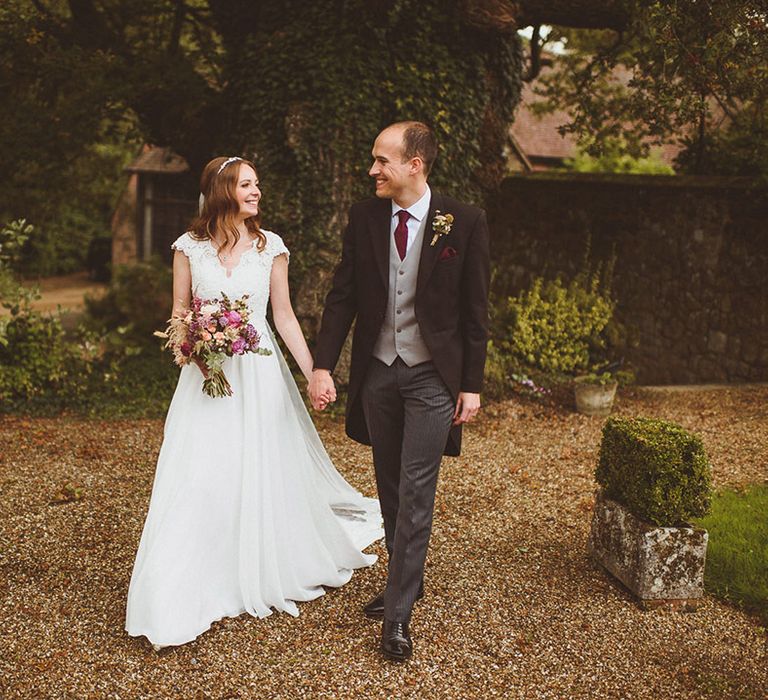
[396, 642]
[375, 607]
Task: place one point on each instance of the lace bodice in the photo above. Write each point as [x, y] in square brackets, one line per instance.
[251, 275]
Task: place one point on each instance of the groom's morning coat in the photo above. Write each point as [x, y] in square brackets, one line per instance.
[451, 301]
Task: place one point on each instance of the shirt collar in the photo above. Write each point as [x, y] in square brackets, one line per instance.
[418, 210]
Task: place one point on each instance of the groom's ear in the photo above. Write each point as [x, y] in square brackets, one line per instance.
[416, 166]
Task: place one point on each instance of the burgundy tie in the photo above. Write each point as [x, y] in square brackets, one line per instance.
[401, 233]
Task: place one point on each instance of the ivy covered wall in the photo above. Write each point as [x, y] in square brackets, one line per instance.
[311, 85]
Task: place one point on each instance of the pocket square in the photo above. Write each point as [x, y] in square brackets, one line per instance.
[448, 253]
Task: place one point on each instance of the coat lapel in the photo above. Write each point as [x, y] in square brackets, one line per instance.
[429, 253]
[379, 224]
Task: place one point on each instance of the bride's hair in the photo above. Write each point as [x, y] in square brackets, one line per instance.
[219, 210]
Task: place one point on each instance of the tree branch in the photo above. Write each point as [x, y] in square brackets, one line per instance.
[179, 14]
[579, 14]
[535, 65]
[507, 16]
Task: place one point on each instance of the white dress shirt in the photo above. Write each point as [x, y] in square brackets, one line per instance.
[418, 210]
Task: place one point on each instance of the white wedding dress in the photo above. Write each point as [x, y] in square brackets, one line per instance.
[247, 512]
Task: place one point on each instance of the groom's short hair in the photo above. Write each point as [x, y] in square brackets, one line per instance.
[419, 140]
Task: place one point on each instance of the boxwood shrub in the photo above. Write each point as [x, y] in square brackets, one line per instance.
[655, 468]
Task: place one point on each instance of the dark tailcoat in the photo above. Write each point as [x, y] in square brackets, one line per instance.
[451, 302]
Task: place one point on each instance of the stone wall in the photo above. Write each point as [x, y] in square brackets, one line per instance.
[691, 275]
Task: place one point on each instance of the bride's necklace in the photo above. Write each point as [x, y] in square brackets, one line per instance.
[226, 257]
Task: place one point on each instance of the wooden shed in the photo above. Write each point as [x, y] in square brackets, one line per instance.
[155, 208]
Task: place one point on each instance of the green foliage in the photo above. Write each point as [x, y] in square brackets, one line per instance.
[13, 236]
[739, 150]
[74, 101]
[305, 86]
[737, 553]
[497, 379]
[555, 326]
[137, 303]
[69, 220]
[685, 70]
[616, 159]
[128, 384]
[38, 364]
[329, 79]
[40, 368]
[112, 367]
[656, 469]
[621, 377]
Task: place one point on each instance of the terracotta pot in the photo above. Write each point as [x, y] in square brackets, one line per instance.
[595, 399]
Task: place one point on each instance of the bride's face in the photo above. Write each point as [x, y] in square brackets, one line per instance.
[248, 193]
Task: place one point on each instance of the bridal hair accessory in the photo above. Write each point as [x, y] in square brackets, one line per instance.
[227, 162]
[201, 199]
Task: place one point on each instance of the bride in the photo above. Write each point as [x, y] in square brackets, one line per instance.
[247, 514]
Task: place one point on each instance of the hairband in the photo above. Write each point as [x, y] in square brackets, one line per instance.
[201, 199]
[227, 162]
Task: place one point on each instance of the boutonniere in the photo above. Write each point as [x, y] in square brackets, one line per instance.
[441, 225]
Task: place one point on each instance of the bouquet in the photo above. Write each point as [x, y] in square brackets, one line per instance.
[210, 331]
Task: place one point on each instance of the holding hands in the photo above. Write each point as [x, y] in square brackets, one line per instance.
[322, 390]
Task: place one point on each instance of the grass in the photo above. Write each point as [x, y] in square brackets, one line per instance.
[737, 554]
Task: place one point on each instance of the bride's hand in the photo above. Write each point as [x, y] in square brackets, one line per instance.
[321, 389]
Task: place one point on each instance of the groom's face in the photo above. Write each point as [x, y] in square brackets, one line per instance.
[391, 174]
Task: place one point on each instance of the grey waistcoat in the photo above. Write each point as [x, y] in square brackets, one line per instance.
[400, 333]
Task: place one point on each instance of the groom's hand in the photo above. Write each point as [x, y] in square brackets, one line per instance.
[466, 407]
[322, 390]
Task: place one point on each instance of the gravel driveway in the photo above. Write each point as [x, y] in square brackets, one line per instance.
[513, 607]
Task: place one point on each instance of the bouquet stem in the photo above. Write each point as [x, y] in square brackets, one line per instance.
[216, 384]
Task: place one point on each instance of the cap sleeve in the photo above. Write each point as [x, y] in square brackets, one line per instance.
[275, 245]
[185, 243]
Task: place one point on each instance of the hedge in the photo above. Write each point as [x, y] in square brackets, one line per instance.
[655, 468]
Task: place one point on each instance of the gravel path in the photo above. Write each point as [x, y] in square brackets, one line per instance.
[513, 608]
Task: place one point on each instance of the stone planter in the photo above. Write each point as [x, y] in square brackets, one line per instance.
[662, 566]
[594, 399]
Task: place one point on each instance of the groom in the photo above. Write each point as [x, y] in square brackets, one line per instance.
[414, 274]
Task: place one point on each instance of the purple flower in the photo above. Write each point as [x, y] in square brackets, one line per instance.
[238, 346]
[186, 349]
[234, 318]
